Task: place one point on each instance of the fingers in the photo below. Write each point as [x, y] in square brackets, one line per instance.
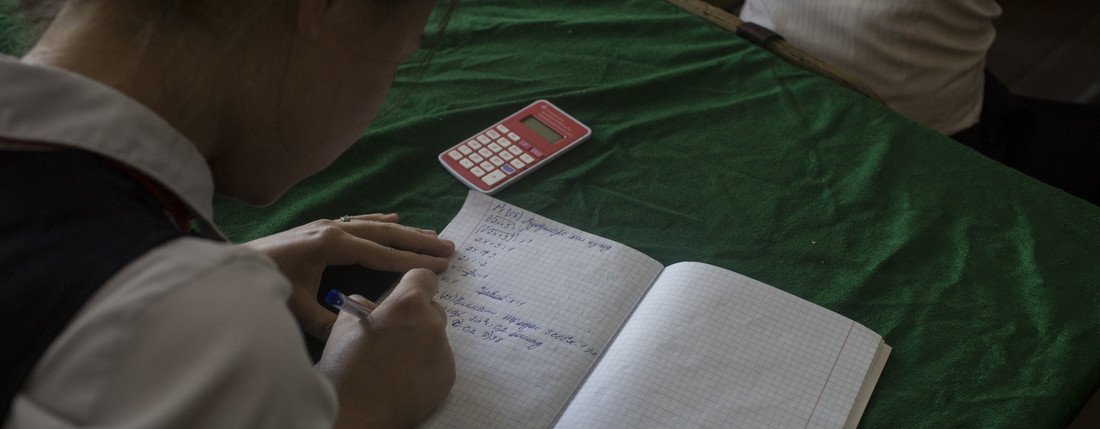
[407, 338]
[400, 237]
[375, 241]
[383, 245]
[419, 281]
[378, 217]
[353, 250]
[418, 288]
[366, 302]
[420, 284]
[319, 320]
[314, 319]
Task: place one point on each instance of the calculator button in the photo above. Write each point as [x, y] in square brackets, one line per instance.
[513, 136]
[506, 156]
[477, 171]
[476, 158]
[455, 155]
[537, 153]
[466, 163]
[493, 134]
[515, 150]
[474, 145]
[508, 169]
[525, 145]
[494, 147]
[504, 142]
[485, 152]
[493, 178]
[517, 163]
[482, 138]
[502, 128]
[496, 160]
[488, 166]
[527, 158]
[465, 149]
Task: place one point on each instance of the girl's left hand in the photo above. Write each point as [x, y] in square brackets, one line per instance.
[375, 241]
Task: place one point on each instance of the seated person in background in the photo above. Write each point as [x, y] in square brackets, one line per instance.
[926, 60]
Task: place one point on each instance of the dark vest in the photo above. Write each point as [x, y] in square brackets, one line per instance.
[69, 220]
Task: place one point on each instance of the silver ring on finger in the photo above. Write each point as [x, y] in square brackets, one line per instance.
[345, 218]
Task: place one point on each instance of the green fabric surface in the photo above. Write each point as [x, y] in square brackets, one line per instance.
[706, 148]
[14, 31]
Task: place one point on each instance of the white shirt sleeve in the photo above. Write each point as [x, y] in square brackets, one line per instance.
[926, 59]
[175, 342]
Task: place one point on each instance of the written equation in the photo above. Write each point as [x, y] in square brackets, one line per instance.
[495, 325]
[480, 300]
[504, 229]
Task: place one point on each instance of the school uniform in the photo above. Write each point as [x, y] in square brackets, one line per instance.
[925, 58]
[180, 330]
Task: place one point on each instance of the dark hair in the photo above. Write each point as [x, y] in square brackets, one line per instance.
[445, 10]
[26, 20]
[188, 16]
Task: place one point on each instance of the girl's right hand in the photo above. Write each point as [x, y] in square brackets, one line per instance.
[393, 368]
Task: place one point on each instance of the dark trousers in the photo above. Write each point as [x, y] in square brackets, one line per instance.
[1057, 143]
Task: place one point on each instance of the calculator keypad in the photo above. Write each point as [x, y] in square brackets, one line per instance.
[495, 154]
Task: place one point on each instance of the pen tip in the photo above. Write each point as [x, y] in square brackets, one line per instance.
[333, 298]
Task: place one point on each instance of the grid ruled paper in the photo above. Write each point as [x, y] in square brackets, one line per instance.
[531, 306]
[712, 348]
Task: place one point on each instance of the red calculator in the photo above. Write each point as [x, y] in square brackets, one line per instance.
[513, 147]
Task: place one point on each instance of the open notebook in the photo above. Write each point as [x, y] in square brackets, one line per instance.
[555, 327]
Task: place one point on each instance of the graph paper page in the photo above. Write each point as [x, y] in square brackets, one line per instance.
[531, 305]
[712, 348]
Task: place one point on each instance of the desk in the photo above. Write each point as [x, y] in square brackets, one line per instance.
[707, 148]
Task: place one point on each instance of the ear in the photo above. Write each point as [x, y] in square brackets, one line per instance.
[312, 15]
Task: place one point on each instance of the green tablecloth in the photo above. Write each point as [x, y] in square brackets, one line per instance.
[706, 148]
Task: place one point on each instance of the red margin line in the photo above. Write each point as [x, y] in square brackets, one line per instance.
[853, 325]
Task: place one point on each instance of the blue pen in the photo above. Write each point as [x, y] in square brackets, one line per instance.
[337, 299]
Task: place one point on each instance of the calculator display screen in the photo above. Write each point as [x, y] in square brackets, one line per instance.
[541, 129]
